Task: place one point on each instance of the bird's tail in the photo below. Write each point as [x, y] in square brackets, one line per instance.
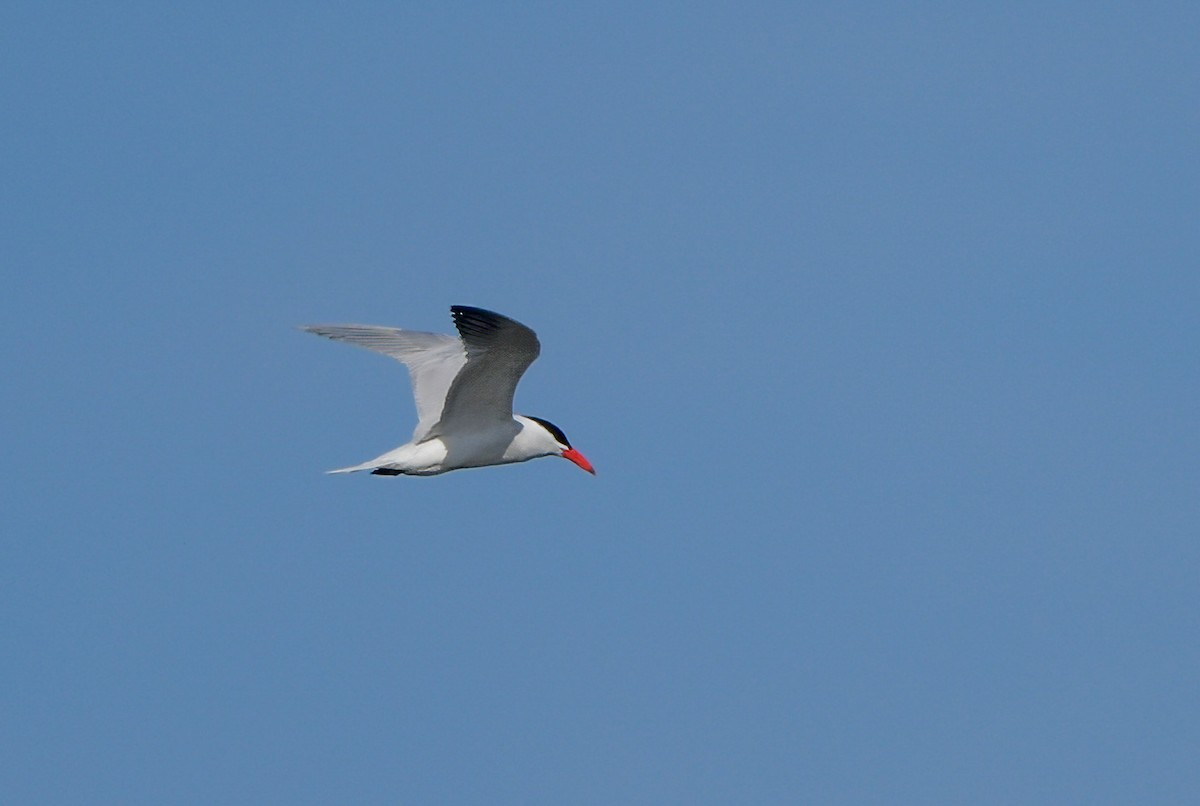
[372, 465]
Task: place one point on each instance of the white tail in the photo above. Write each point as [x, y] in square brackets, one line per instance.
[371, 465]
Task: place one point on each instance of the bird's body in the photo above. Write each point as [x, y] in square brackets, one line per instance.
[464, 390]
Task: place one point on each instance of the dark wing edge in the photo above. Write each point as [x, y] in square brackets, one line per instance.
[481, 330]
[499, 350]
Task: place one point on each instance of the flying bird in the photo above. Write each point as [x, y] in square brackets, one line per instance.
[464, 388]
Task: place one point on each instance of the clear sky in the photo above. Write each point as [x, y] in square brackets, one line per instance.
[879, 323]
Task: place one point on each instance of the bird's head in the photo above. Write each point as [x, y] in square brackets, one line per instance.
[557, 443]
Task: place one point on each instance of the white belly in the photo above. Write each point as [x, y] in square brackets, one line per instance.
[442, 454]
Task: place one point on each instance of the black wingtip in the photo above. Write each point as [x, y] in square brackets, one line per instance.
[477, 320]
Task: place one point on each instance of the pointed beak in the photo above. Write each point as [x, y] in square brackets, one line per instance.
[575, 456]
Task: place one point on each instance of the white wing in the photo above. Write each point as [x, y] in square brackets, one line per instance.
[499, 350]
[433, 361]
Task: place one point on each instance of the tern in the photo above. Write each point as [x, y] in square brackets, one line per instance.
[464, 388]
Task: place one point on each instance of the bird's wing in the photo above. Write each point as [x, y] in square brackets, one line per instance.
[433, 360]
[499, 350]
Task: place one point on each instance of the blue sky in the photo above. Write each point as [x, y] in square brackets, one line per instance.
[879, 325]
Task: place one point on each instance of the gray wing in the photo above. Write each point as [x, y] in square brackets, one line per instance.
[499, 350]
[433, 361]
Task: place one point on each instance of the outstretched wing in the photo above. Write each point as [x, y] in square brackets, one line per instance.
[433, 361]
[499, 350]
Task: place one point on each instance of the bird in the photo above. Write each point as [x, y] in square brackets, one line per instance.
[463, 386]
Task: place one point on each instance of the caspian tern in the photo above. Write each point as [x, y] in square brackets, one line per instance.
[464, 389]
